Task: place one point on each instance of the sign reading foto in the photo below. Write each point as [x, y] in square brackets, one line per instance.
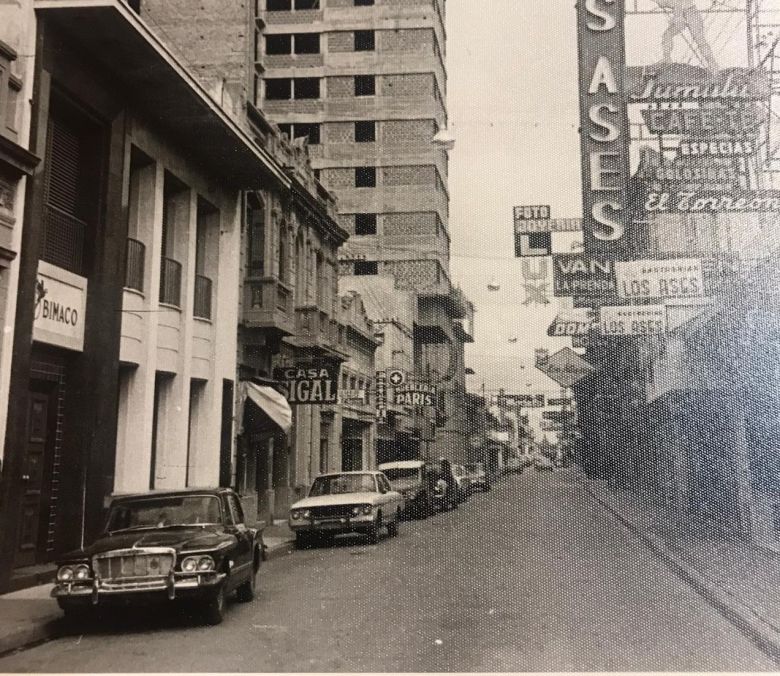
[309, 383]
[415, 394]
[633, 320]
[674, 278]
[60, 307]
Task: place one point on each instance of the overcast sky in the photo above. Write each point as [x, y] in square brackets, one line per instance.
[513, 108]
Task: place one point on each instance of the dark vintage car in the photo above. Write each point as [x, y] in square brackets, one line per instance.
[188, 545]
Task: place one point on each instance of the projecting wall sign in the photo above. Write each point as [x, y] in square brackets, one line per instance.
[60, 307]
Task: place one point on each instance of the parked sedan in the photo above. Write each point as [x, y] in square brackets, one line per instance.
[190, 544]
[478, 476]
[463, 480]
[347, 502]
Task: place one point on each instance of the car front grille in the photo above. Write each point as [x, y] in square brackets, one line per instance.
[134, 564]
[332, 511]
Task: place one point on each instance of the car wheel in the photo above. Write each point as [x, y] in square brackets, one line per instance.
[246, 592]
[76, 614]
[392, 526]
[302, 540]
[373, 533]
[214, 611]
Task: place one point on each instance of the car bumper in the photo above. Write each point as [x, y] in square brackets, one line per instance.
[177, 586]
[353, 524]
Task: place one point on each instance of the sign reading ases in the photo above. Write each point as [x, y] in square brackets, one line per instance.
[60, 307]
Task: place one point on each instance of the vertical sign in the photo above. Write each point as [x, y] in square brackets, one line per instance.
[381, 396]
[604, 124]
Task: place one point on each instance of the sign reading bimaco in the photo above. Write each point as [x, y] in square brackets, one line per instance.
[309, 383]
[674, 278]
[60, 307]
[415, 394]
[633, 320]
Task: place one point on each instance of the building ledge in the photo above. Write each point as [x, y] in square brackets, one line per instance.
[156, 82]
[19, 160]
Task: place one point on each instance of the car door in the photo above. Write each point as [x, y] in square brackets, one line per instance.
[244, 556]
[391, 497]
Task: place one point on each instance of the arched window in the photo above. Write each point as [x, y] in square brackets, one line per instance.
[300, 269]
[284, 253]
[255, 222]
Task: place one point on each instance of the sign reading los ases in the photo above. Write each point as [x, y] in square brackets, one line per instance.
[60, 307]
[674, 278]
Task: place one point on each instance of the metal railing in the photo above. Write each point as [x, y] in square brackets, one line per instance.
[63, 239]
[202, 305]
[134, 266]
[170, 282]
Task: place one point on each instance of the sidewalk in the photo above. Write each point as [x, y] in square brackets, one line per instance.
[739, 579]
[31, 616]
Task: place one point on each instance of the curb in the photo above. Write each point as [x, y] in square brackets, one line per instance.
[764, 635]
[279, 550]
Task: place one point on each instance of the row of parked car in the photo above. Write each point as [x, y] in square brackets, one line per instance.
[195, 545]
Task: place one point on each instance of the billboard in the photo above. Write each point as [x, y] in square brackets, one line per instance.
[633, 320]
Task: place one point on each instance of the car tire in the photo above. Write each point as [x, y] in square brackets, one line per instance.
[76, 614]
[392, 526]
[214, 608]
[373, 532]
[302, 541]
[246, 592]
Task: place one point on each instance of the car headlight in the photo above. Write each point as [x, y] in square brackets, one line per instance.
[65, 574]
[295, 514]
[190, 564]
[82, 572]
[205, 564]
[355, 511]
[367, 509]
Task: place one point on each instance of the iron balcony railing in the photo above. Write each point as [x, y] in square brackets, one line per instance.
[202, 307]
[134, 267]
[63, 239]
[170, 282]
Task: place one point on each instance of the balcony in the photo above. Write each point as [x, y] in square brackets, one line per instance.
[63, 240]
[316, 331]
[134, 265]
[203, 294]
[268, 305]
[170, 282]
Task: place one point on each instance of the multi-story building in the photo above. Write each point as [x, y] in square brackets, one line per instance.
[365, 83]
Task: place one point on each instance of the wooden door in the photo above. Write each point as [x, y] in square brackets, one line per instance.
[38, 443]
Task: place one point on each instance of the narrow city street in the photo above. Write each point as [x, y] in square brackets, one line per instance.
[532, 576]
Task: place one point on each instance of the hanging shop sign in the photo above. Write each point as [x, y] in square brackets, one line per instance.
[719, 148]
[704, 122]
[681, 82]
[524, 400]
[604, 123]
[711, 174]
[712, 202]
[633, 320]
[309, 383]
[566, 367]
[354, 397]
[549, 225]
[674, 278]
[60, 307]
[576, 322]
[415, 394]
[583, 275]
[531, 213]
[380, 395]
[530, 244]
[536, 285]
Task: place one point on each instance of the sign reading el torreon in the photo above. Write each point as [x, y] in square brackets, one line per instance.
[60, 307]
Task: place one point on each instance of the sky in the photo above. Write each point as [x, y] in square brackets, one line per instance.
[513, 108]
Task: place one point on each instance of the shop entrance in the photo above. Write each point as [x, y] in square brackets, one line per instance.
[40, 435]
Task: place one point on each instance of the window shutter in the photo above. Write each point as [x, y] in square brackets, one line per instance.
[62, 173]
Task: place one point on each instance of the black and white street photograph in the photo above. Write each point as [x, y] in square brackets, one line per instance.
[389, 336]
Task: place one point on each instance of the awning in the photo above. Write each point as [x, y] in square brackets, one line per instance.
[272, 404]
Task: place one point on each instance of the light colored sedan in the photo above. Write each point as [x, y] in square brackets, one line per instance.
[346, 502]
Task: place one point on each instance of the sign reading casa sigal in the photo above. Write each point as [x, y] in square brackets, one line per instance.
[309, 383]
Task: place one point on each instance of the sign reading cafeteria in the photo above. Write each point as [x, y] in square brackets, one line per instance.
[675, 278]
[60, 307]
[633, 320]
[309, 383]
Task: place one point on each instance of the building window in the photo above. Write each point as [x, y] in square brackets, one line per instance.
[363, 3]
[364, 268]
[307, 4]
[309, 131]
[255, 221]
[365, 177]
[365, 224]
[307, 88]
[364, 41]
[307, 43]
[278, 5]
[278, 44]
[365, 132]
[278, 89]
[365, 85]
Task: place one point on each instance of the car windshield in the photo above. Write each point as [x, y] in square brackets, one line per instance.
[402, 474]
[338, 484]
[162, 512]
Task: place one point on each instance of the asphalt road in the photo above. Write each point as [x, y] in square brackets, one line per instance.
[531, 577]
